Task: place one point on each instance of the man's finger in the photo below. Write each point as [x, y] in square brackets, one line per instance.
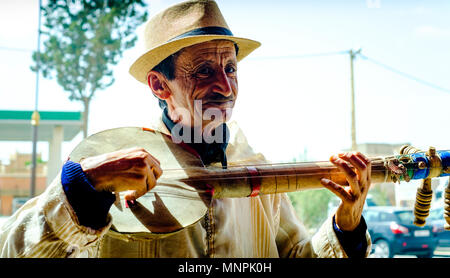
[368, 163]
[151, 181]
[351, 176]
[336, 189]
[358, 163]
[362, 165]
[154, 166]
[155, 159]
[142, 188]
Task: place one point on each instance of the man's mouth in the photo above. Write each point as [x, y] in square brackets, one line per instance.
[219, 103]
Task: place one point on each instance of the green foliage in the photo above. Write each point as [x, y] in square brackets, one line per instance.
[83, 39]
[311, 206]
[38, 161]
[379, 196]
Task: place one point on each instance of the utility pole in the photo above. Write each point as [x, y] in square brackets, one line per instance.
[35, 117]
[352, 57]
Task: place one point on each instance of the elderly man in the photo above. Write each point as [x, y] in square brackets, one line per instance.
[191, 67]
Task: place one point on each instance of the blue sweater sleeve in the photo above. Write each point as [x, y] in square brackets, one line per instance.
[90, 205]
[354, 242]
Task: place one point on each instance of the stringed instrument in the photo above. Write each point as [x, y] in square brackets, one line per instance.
[185, 189]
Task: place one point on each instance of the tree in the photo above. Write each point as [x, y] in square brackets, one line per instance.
[311, 206]
[83, 39]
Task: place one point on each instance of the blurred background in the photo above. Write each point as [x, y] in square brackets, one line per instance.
[295, 91]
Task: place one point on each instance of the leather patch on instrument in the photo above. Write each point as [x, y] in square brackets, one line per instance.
[148, 129]
[255, 181]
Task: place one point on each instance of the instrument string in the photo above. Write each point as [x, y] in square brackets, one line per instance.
[195, 179]
[225, 176]
[323, 164]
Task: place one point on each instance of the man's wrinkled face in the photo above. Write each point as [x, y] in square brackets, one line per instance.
[205, 86]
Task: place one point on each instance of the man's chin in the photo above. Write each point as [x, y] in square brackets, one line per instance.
[217, 115]
[211, 125]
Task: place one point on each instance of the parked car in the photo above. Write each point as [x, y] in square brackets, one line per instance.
[18, 202]
[436, 219]
[393, 232]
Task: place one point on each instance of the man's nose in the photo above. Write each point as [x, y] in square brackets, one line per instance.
[222, 84]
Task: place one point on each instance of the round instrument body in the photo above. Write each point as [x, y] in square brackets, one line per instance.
[172, 204]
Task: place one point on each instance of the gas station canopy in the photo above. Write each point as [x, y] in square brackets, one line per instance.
[15, 125]
[53, 126]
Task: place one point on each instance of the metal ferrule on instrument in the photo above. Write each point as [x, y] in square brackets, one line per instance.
[416, 164]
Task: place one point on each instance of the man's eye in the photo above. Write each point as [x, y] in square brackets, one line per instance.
[204, 72]
[230, 69]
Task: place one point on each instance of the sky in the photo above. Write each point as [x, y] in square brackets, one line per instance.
[291, 101]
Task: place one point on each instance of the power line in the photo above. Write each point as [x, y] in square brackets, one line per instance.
[406, 75]
[311, 55]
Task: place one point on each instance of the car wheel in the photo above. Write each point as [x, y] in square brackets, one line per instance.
[382, 249]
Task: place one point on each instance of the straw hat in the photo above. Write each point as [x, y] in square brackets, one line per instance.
[183, 25]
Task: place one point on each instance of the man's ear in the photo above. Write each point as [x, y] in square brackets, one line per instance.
[158, 84]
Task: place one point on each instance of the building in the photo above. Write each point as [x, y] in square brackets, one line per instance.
[15, 181]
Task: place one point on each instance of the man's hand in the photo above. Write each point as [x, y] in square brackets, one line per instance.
[133, 170]
[348, 215]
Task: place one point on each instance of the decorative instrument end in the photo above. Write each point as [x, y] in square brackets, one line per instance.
[447, 207]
